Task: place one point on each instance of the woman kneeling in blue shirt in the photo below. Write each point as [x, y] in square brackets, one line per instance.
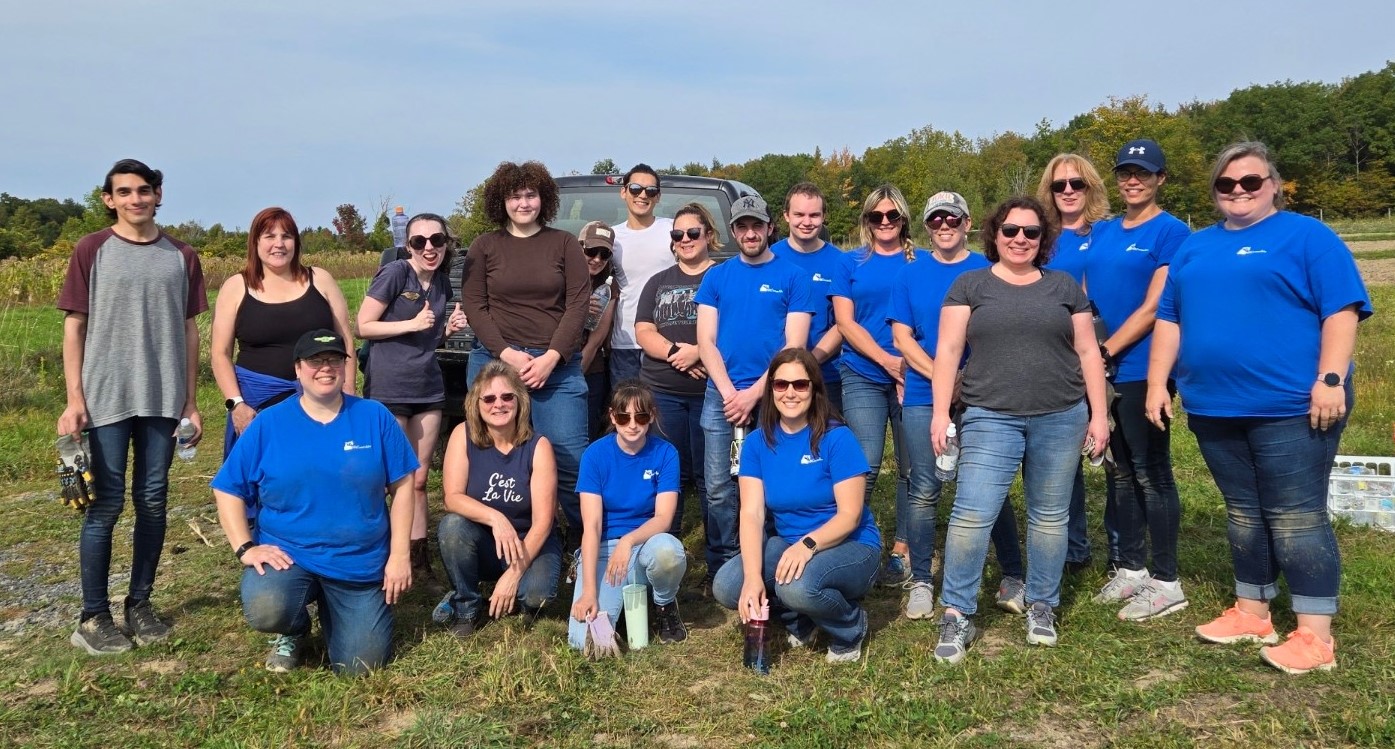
[809, 472]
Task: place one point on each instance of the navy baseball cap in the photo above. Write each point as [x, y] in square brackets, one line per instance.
[1142, 152]
[319, 342]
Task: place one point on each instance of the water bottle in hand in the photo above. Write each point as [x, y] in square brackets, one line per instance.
[182, 437]
[947, 463]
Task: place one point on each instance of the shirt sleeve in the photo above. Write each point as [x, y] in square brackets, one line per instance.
[669, 476]
[1172, 238]
[1076, 301]
[566, 340]
[75, 294]
[844, 454]
[801, 291]
[197, 301]
[399, 459]
[960, 291]
[842, 275]
[644, 312]
[591, 476]
[900, 309]
[235, 476]
[752, 450]
[1167, 303]
[1332, 274]
[474, 295]
[708, 293]
[389, 281]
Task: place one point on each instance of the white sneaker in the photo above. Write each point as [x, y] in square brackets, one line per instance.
[1122, 585]
[921, 604]
[1153, 600]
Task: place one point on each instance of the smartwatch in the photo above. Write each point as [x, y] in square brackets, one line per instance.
[232, 402]
[1331, 379]
[809, 543]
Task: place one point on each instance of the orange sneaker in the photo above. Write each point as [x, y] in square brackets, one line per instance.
[1301, 653]
[1238, 626]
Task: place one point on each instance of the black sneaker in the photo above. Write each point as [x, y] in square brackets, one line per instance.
[100, 636]
[142, 624]
[671, 627]
[287, 651]
[463, 628]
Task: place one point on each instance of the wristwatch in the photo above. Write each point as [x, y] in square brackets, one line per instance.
[243, 548]
[1331, 379]
[809, 543]
[232, 402]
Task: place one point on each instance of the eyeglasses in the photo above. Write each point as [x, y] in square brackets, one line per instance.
[1124, 175]
[623, 419]
[636, 188]
[488, 400]
[800, 386]
[320, 362]
[1077, 184]
[1248, 183]
[419, 242]
[1030, 232]
[597, 251]
[693, 232]
[938, 220]
[875, 217]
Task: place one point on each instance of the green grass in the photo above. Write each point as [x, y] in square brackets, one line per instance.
[1107, 684]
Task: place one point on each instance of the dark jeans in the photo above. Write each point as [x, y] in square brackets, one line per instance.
[1145, 493]
[680, 422]
[354, 617]
[597, 402]
[468, 554]
[151, 441]
[624, 364]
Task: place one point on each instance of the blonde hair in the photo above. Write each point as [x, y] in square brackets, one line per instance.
[1096, 198]
[887, 192]
[522, 415]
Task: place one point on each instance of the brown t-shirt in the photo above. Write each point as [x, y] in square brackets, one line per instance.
[526, 292]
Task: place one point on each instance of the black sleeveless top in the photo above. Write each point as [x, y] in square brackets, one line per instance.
[504, 482]
[266, 332]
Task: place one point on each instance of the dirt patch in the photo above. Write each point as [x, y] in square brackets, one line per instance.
[1377, 272]
[1359, 247]
[1155, 677]
[165, 667]
[394, 723]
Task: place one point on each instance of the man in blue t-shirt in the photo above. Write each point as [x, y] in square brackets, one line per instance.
[804, 212]
[748, 309]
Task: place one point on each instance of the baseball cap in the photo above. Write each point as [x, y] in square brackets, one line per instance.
[318, 342]
[1142, 152]
[750, 206]
[597, 234]
[948, 202]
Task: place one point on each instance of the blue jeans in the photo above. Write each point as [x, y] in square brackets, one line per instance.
[659, 563]
[1145, 494]
[720, 510]
[680, 422]
[992, 446]
[151, 440]
[559, 414]
[354, 617]
[867, 408]
[825, 596]
[625, 364]
[467, 553]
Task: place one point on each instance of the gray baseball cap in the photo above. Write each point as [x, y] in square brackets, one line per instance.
[750, 206]
[948, 202]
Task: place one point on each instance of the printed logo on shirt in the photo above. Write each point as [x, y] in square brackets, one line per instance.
[351, 445]
[411, 296]
[650, 474]
[1135, 248]
[767, 288]
[1248, 250]
[821, 278]
[1084, 246]
[809, 460]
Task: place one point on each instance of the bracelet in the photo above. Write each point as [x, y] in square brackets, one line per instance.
[243, 548]
[673, 349]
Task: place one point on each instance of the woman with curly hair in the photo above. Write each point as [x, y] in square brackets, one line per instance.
[525, 291]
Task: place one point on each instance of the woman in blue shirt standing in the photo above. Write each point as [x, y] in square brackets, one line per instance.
[807, 472]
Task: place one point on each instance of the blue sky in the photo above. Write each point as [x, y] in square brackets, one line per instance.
[254, 103]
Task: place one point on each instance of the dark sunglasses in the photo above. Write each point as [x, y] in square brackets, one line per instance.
[1030, 232]
[692, 232]
[418, 242]
[1249, 183]
[800, 386]
[938, 220]
[636, 188]
[488, 400]
[1075, 183]
[876, 217]
[623, 419]
[597, 251]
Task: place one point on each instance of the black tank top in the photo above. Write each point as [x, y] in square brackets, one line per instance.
[266, 332]
[504, 482]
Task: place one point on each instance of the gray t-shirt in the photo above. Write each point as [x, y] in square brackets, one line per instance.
[403, 368]
[667, 302]
[1021, 342]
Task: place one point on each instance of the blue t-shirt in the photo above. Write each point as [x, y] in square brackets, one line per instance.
[629, 485]
[917, 296]
[799, 485]
[320, 486]
[821, 266]
[752, 302]
[866, 278]
[1071, 253]
[1119, 266]
[1250, 304]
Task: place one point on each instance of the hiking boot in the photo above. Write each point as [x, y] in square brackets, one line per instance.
[100, 636]
[1041, 625]
[956, 632]
[287, 651]
[1123, 584]
[1012, 596]
[1302, 652]
[670, 624]
[1238, 626]
[1153, 600]
[142, 625]
[896, 571]
[921, 604]
[464, 627]
[420, 555]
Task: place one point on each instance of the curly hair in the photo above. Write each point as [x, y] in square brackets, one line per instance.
[509, 178]
[995, 222]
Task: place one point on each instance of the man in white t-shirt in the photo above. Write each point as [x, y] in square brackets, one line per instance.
[642, 249]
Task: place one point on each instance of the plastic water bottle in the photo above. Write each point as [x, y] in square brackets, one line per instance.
[738, 438]
[182, 436]
[399, 229]
[755, 656]
[947, 463]
[602, 297]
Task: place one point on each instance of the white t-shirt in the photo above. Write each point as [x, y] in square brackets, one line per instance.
[639, 256]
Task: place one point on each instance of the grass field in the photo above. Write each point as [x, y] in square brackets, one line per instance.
[1108, 683]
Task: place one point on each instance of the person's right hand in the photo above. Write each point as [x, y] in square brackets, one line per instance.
[507, 545]
[584, 610]
[425, 319]
[516, 358]
[939, 433]
[265, 554]
[1157, 405]
[73, 420]
[751, 600]
[685, 357]
[241, 415]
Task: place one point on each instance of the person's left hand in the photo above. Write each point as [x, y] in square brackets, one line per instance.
[1099, 432]
[791, 564]
[738, 409]
[457, 321]
[535, 373]
[505, 595]
[1327, 407]
[397, 576]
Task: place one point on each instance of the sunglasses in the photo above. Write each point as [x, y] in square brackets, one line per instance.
[1124, 175]
[1248, 183]
[692, 233]
[597, 251]
[938, 220]
[800, 386]
[1076, 183]
[419, 242]
[636, 188]
[623, 419]
[1030, 232]
[488, 400]
[876, 217]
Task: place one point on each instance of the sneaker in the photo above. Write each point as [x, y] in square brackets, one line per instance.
[142, 625]
[1238, 626]
[795, 641]
[921, 604]
[1153, 600]
[444, 613]
[1122, 585]
[896, 571]
[956, 632]
[1041, 625]
[854, 654]
[1012, 595]
[287, 651]
[100, 636]
[1301, 652]
[670, 624]
[573, 562]
[464, 627]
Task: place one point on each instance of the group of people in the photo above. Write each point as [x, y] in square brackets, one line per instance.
[614, 369]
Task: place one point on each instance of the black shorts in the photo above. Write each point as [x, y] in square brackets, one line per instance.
[408, 410]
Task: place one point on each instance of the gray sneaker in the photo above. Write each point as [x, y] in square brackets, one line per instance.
[100, 636]
[143, 626]
[956, 632]
[444, 613]
[1122, 585]
[1041, 625]
[287, 651]
[921, 604]
[1153, 600]
[1012, 596]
